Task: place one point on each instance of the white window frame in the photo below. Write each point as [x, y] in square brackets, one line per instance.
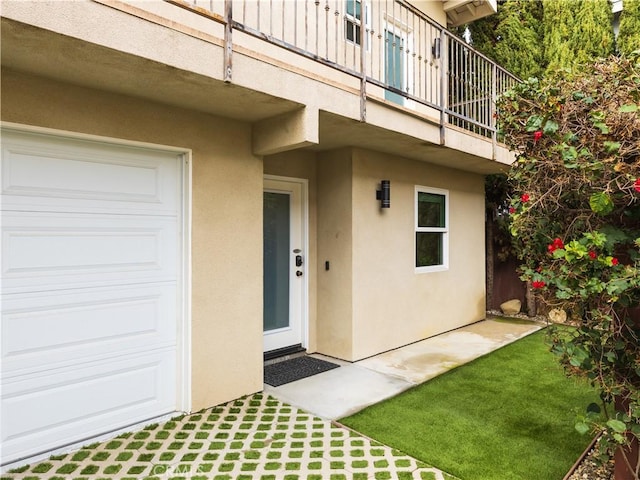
[364, 22]
[443, 230]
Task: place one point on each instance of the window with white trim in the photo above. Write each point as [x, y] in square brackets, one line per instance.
[431, 229]
[353, 21]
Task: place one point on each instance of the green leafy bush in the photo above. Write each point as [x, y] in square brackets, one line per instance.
[575, 217]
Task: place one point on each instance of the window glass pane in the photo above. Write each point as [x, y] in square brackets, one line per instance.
[349, 29]
[276, 260]
[431, 210]
[353, 32]
[354, 8]
[428, 249]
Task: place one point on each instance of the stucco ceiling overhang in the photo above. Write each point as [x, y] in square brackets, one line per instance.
[460, 12]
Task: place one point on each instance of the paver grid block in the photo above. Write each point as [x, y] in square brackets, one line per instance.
[253, 438]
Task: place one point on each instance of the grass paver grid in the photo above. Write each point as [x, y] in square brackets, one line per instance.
[253, 438]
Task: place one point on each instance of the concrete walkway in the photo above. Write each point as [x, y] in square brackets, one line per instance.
[343, 391]
[265, 437]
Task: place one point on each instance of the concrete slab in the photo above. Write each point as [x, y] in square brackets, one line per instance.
[354, 386]
[421, 361]
[339, 392]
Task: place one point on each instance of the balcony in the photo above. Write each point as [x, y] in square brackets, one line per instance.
[398, 54]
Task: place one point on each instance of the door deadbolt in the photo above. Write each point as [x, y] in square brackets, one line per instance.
[298, 273]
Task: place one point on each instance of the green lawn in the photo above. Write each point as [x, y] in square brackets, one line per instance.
[507, 416]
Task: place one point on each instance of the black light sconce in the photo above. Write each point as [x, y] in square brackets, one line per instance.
[435, 49]
[384, 194]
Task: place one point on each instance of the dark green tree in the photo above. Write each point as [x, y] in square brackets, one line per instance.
[576, 32]
[512, 37]
[629, 34]
[483, 33]
[519, 45]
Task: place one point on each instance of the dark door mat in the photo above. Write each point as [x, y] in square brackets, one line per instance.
[297, 368]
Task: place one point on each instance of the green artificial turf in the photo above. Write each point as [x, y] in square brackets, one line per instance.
[507, 416]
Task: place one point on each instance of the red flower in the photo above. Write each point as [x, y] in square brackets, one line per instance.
[538, 284]
[525, 197]
[593, 255]
[512, 210]
[557, 244]
[537, 136]
[614, 261]
[636, 185]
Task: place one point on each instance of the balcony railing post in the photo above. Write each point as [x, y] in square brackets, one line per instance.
[492, 110]
[363, 72]
[228, 40]
[444, 91]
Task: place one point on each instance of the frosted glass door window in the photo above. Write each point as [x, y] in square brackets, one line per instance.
[276, 260]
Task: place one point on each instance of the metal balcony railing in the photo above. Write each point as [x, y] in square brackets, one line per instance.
[386, 43]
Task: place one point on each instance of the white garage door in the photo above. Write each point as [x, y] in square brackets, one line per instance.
[91, 262]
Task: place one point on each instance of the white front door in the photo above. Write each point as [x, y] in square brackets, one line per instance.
[284, 263]
[91, 272]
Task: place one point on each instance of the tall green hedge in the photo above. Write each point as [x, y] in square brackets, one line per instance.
[519, 48]
[629, 34]
[576, 32]
[512, 36]
[533, 37]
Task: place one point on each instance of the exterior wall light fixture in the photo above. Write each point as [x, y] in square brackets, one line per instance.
[384, 194]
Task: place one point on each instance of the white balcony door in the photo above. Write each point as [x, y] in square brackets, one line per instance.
[285, 263]
[394, 65]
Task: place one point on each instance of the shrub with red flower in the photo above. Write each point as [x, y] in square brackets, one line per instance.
[585, 178]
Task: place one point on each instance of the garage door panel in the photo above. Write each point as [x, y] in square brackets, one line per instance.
[75, 250]
[85, 325]
[86, 176]
[92, 257]
[88, 401]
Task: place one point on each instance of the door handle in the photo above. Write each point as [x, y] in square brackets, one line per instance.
[298, 261]
[299, 273]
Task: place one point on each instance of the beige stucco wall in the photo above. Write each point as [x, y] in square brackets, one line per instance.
[372, 300]
[302, 164]
[226, 213]
[433, 9]
[392, 304]
[335, 237]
